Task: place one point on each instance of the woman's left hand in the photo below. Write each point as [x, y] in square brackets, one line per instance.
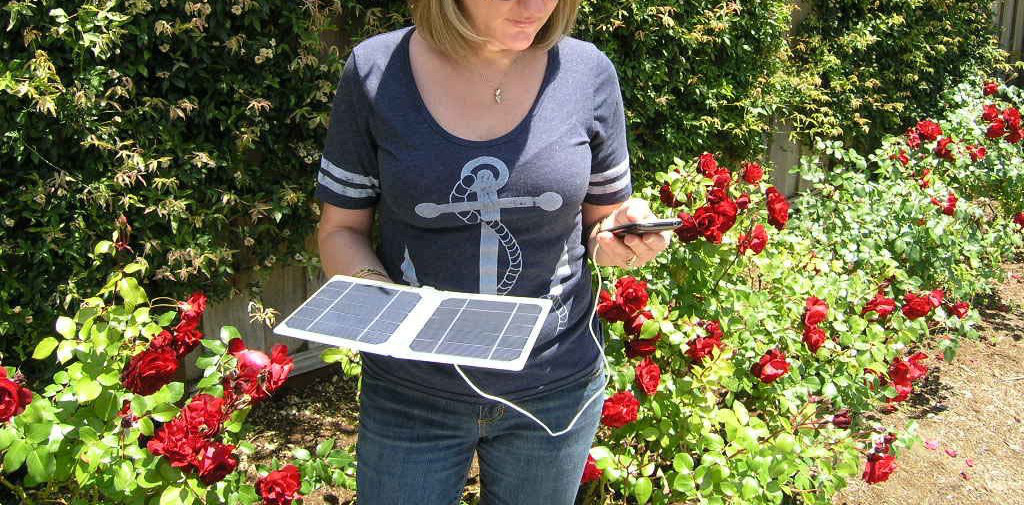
[629, 251]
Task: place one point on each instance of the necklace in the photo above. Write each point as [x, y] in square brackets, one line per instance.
[498, 98]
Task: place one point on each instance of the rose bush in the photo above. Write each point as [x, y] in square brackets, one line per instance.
[115, 425]
[766, 362]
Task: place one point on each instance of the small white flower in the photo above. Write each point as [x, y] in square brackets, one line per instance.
[258, 59]
[236, 10]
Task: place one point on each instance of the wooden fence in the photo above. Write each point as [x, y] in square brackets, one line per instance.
[1009, 17]
[287, 287]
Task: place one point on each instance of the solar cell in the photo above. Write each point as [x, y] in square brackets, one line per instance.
[420, 323]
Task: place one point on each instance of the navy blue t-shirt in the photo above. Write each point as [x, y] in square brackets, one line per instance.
[500, 216]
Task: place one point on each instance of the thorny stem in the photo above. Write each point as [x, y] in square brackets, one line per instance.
[724, 272]
[15, 489]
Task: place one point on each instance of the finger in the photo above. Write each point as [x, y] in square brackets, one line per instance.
[639, 247]
[657, 241]
[612, 250]
[639, 212]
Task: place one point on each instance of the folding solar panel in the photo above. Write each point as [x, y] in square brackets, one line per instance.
[420, 323]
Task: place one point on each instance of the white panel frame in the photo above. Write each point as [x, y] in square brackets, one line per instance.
[398, 345]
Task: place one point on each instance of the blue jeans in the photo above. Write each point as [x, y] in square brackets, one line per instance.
[417, 449]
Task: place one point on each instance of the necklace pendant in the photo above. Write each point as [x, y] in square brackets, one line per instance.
[497, 95]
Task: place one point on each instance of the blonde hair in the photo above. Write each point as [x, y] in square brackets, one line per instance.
[442, 23]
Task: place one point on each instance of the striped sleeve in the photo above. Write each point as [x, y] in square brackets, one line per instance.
[609, 170]
[347, 176]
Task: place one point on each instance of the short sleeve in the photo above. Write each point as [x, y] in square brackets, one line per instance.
[347, 177]
[609, 170]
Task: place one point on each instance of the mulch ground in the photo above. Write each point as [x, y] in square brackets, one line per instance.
[971, 410]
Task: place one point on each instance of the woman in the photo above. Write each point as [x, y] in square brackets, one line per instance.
[492, 149]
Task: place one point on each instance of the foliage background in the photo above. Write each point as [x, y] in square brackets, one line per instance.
[188, 131]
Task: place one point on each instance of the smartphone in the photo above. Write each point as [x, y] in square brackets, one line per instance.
[643, 227]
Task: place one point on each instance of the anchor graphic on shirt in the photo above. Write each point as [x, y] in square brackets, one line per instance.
[484, 176]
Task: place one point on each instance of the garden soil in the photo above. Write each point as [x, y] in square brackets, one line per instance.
[971, 410]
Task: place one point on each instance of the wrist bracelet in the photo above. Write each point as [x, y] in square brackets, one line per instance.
[365, 271]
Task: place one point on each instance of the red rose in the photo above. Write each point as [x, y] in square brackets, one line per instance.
[173, 441]
[726, 211]
[814, 337]
[944, 151]
[948, 208]
[636, 323]
[722, 179]
[1019, 219]
[214, 462]
[991, 113]
[996, 129]
[281, 364]
[915, 306]
[609, 309]
[620, 409]
[707, 221]
[689, 230]
[771, 366]
[1012, 117]
[755, 242]
[182, 341]
[913, 138]
[707, 165]
[1015, 135]
[752, 172]
[258, 375]
[903, 391]
[924, 178]
[668, 197]
[929, 130]
[203, 415]
[13, 397]
[977, 153]
[640, 347]
[631, 294]
[743, 202]
[880, 305]
[280, 487]
[960, 309]
[815, 311]
[901, 157]
[191, 311]
[648, 376]
[716, 195]
[149, 370]
[905, 371]
[778, 208]
[990, 88]
[935, 297]
[590, 471]
[878, 468]
[842, 419]
[701, 347]
[712, 328]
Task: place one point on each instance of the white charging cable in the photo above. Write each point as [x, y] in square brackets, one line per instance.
[607, 366]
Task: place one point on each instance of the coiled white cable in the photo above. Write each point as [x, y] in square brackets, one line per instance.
[607, 366]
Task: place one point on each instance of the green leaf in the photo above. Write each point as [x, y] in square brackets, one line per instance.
[166, 318]
[322, 448]
[103, 246]
[741, 412]
[146, 426]
[15, 455]
[751, 487]
[7, 436]
[229, 332]
[683, 462]
[129, 289]
[334, 355]
[41, 464]
[87, 390]
[172, 495]
[216, 346]
[301, 454]
[642, 490]
[44, 348]
[66, 327]
[124, 476]
[65, 351]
